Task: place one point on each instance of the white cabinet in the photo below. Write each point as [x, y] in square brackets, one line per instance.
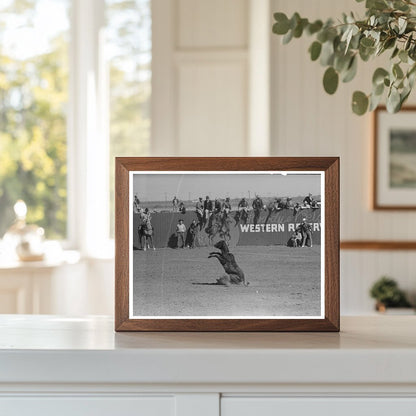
[270, 406]
[51, 365]
[88, 406]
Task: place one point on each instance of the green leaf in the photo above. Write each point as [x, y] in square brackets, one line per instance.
[397, 71]
[359, 103]
[327, 53]
[404, 95]
[366, 48]
[400, 5]
[298, 30]
[351, 71]
[288, 37]
[379, 75]
[294, 20]
[348, 35]
[367, 42]
[376, 4]
[355, 41]
[402, 24]
[281, 27]
[403, 56]
[393, 101]
[341, 61]
[389, 43]
[366, 53]
[378, 89]
[408, 42]
[314, 27]
[412, 70]
[322, 36]
[412, 52]
[411, 76]
[374, 101]
[315, 50]
[395, 52]
[330, 80]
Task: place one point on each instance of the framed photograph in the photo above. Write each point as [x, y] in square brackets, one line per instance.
[394, 159]
[227, 244]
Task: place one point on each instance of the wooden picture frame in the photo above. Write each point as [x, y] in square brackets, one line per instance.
[132, 171]
[394, 184]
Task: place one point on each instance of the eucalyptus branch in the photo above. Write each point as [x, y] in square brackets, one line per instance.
[388, 25]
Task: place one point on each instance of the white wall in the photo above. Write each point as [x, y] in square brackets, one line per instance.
[308, 122]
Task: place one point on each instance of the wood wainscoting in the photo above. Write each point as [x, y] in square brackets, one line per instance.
[377, 245]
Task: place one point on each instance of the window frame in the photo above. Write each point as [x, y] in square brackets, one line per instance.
[88, 133]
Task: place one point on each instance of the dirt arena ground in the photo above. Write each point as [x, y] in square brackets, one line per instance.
[284, 281]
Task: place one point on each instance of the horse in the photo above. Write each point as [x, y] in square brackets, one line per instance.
[218, 224]
[241, 215]
[201, 218]
[273, 206]
[146, 232]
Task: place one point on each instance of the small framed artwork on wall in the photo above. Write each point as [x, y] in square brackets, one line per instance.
[394, 177]
[227, 244]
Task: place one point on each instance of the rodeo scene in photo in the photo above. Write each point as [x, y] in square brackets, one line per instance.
[226, 245]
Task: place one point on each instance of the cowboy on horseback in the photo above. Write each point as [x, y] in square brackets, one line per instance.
[226, 207]
[208, 207]
[146, 231]
[136, 205]
[199, 210]
[242, 213]
[257, 207]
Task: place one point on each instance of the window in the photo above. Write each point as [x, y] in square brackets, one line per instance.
[75, 88]
[129, 43]
[33, 103]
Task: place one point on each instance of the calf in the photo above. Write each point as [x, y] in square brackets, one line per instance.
[227, 260]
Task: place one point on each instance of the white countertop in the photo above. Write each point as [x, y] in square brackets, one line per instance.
[52, 349]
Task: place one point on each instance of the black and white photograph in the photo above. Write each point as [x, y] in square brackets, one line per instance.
[226, 244]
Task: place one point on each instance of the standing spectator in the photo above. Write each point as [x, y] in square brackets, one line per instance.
[175, 203]
[180, 232]
[193, 230]
[257, 207]
[182, 208]
[306, 233]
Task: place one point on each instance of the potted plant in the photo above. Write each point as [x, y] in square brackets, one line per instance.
[387, 294]
[389, 27]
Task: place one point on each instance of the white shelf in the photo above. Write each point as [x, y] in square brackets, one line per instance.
[48, 349]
